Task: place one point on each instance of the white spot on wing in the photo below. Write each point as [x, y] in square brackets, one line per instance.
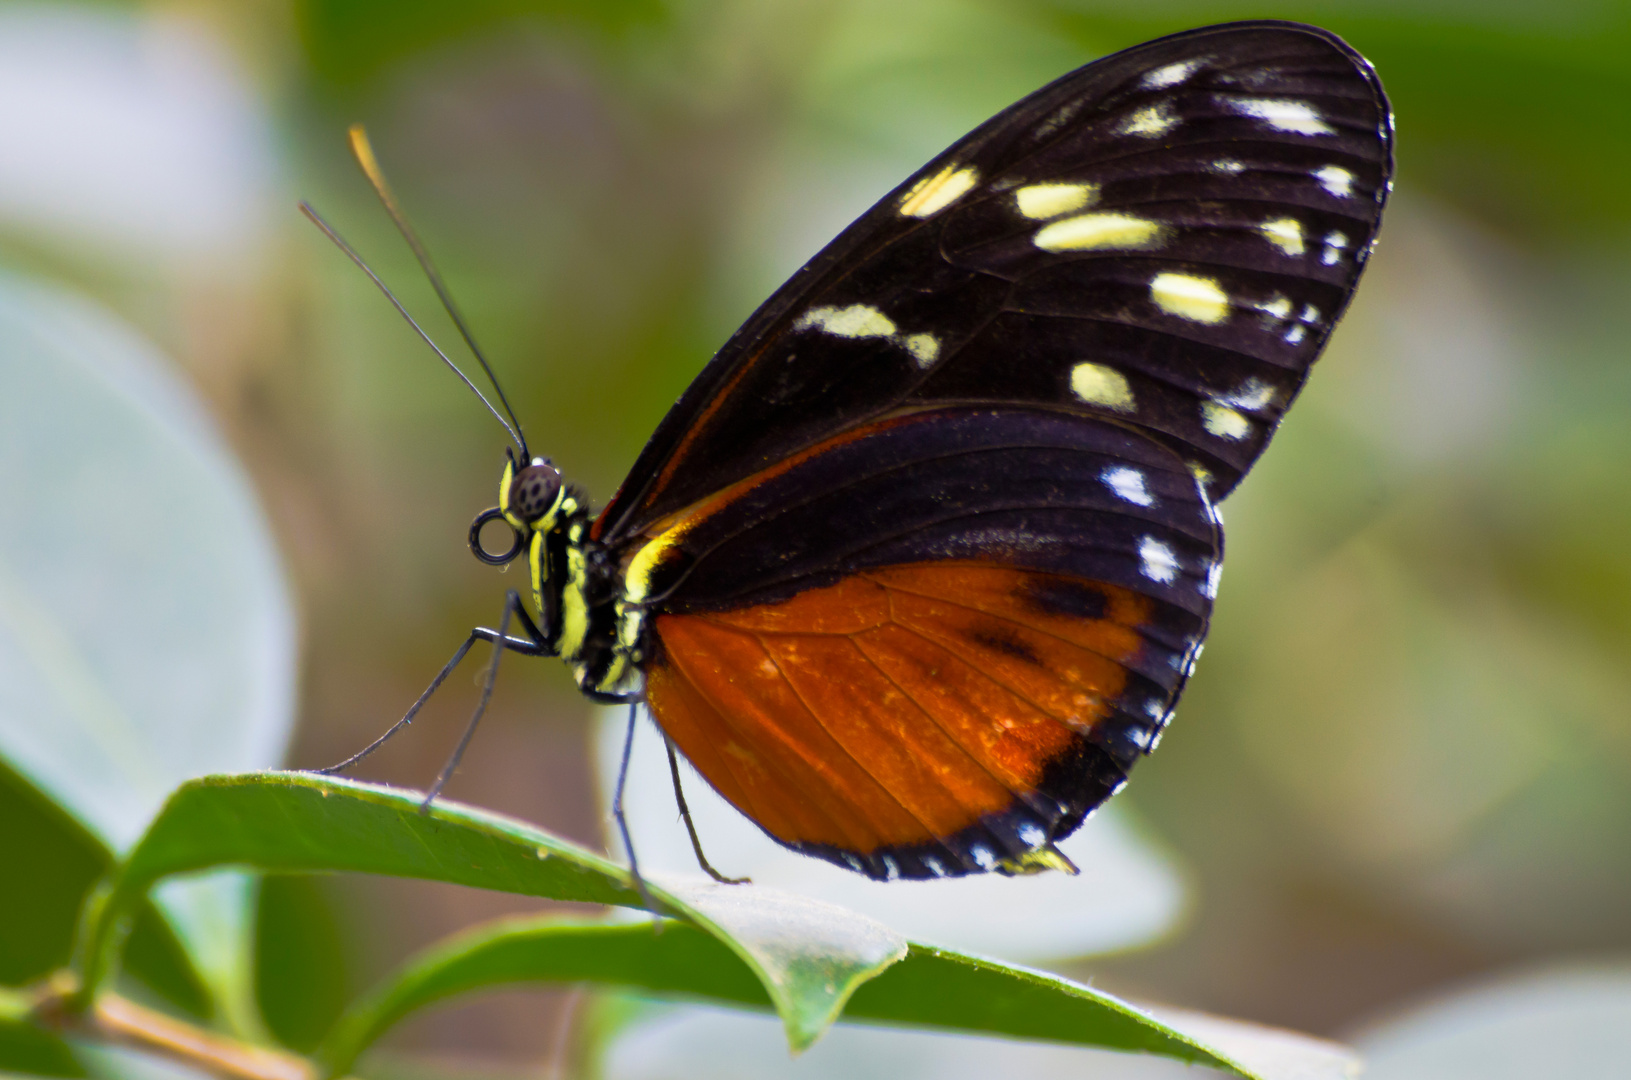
[1213, 576]
[1285, 234]
[1043, 201]
[1189, 297]
[1099, 384]
[1088, 232]
[1157, 560]
[1295, 335]
[1279, 308]
[1031, 834]
[982, 856]
[1228, 166]
[1335, 179]
[935, 193]
[1335, 243]
[853, 321]
[1224, 422]
[1128, 484]
[1253, 394]
[1170, 75]
[932, 864]
[1150, 121]
[1297, 117]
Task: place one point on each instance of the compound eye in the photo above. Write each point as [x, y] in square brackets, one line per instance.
[533, 491]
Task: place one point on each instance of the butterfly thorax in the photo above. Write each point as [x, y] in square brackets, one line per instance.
[584, 613]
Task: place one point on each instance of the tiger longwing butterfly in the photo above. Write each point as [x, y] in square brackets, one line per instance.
[916, 569]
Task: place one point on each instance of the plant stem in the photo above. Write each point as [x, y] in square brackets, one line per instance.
[116, 1019]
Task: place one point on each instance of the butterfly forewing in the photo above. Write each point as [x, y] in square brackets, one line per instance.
[1165, 237]
[918, 567]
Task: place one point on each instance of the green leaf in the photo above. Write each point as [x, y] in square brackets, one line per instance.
[42, 844]
[930, 987]
[808, 956]
[146, 632]
[301, 975]
[28, 1049]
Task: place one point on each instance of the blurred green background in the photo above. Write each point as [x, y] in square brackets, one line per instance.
[1406, 758]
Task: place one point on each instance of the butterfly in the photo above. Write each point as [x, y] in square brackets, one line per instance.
[916, 570]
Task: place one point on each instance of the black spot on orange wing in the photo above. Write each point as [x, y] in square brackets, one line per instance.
[1065, 596]
[1000, 639]
[912, 721]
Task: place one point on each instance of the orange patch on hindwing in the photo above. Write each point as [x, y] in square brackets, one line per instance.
[898, 705]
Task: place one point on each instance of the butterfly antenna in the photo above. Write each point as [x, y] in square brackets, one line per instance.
[363, 151]
[339, 242]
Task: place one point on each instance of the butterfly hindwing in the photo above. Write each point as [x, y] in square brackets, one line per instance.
[1164, 237]
[931, 645]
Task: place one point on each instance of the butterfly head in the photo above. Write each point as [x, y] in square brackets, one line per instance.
[530, 497]
[547, 519]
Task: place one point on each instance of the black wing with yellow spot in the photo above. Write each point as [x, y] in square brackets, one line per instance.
[919, 565]
[1164, 237]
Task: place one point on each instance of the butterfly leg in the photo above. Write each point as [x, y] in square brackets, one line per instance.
[690, 826]
[622, 819]
[532, 645]
[502, 642]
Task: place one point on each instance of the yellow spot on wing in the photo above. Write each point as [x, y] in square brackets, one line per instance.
[854, 321]
[939, 191]
[1197, 299]
[1224, 422]
[1043, 201]
[1149, 121]
[1087, 232]
[1099, 384]
[1171, 75]
[1285, 234]
[925, 348]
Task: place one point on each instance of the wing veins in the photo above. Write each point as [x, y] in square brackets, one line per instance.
[843, 825]
[1010, 620]
[913, 814]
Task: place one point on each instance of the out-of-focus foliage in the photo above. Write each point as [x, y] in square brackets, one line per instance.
[350, 42]
[1510, 110]
[1405, 757]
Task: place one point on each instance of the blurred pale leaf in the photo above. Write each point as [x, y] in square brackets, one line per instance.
[145, 628]
[1571, 1022]
[130, 133]
[1128, 893]
[146, 634]
[680, 1043]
